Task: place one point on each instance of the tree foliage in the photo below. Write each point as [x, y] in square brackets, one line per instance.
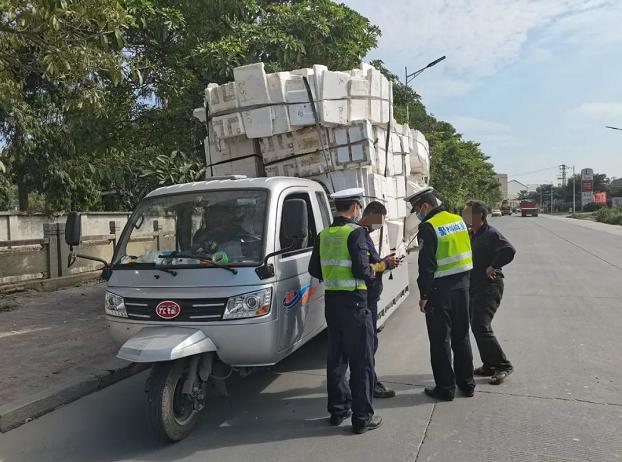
[95, 94]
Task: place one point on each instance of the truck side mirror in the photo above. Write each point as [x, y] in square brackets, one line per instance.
[296, 219]
[73, 229]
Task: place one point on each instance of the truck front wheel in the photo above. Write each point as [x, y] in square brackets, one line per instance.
[172, 413]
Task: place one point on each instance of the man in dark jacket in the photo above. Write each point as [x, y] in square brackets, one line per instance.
[372, 221]
[491, 252]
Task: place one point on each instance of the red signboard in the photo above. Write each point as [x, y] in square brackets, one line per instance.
[600, 198]
[587, 186]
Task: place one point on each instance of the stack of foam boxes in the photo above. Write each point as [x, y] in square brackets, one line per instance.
[265, 125]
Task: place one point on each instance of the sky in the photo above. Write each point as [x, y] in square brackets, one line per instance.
[534, 81]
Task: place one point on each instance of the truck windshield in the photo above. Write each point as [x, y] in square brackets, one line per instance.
[224, 227]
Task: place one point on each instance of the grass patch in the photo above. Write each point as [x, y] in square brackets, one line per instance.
[609, 216]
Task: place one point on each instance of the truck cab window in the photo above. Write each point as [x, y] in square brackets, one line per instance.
[299, 244]
[324, 210]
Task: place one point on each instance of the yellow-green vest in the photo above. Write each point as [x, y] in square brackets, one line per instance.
[336, 260]
[453, 253]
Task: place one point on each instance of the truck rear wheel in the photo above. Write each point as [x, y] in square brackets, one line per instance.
[172, 414]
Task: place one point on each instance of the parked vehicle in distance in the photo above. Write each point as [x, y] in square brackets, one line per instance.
[529, 208]
[505, 208]
[496, 213]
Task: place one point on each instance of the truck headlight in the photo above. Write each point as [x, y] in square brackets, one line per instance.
[114, 305]
[249, 305]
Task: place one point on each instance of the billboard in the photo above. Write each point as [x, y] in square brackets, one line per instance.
[600, 198]
[587, 186]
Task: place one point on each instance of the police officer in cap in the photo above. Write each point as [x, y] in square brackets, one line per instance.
[445, 263]
[340, 259]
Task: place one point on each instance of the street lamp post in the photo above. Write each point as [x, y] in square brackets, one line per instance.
[410, 77]
[574, 192]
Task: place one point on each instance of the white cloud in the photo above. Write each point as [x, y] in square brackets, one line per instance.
[493, 136]
[480, 37]
[601, 111]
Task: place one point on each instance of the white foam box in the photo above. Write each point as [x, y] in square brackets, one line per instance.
[279, 113]
[228, 126]
[286, 167]
[258, 122]
[385, 249]
[222, 98]
[252, 87]
[402, 208]
[301, 115]
[343, 179]
[295, 90]
[224, 149]
[314, 163]
[406, 164]
[334, 85]
[334, 112]
[392, 208]
[400, 186]
[251, 167]
[199, 113]
[358, 103]
[395, 231]
[318, 76]
[398, 164]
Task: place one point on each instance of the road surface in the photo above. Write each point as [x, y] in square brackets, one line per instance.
[560, 323]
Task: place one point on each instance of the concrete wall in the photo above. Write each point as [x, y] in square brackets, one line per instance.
[17, 227]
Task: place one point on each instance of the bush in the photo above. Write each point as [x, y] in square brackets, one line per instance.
[592, 207]
[610, 216]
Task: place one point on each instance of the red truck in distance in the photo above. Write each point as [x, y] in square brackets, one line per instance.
[529, 208]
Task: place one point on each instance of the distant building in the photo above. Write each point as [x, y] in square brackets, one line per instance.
[514, 189]
[502, 178]
[616, 202]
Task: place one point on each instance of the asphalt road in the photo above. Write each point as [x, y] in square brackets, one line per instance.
[560, 323]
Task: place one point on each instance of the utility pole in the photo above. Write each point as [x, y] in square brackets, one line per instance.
[563, 168]
[409, 77]
[551, 198]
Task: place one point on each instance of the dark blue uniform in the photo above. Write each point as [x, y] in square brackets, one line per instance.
[374, 289]
[350, 335]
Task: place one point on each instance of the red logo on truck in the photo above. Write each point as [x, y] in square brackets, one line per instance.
[168, 309]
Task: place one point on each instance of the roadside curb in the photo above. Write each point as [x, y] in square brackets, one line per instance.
[17, 413]
[49, 285]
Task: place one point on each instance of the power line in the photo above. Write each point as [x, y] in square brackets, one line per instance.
[532, 172]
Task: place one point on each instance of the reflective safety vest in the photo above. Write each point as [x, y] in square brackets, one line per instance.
[336, 260]
[453, 253]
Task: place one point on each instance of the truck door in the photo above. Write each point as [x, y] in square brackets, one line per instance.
[296, 293]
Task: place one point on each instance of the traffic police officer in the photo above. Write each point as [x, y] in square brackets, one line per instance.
[341, 261]
[445, 262]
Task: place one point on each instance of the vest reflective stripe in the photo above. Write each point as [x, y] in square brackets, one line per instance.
[336, 260]
[454, 259]
[345, 263]
[453, 253]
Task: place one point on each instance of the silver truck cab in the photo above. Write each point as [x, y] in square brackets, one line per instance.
[253, 317]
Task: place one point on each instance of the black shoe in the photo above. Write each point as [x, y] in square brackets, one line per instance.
[468, 392]
[440, 395]
[499, 376]
[381, 391]
[336, 420]
[374, 422]
[484, 371]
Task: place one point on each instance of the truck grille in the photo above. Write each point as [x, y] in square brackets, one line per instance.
[192, 309]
